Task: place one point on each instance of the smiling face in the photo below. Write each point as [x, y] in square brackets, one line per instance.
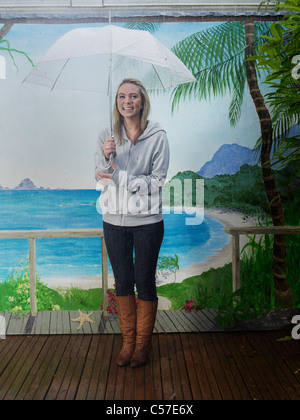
[129, 101]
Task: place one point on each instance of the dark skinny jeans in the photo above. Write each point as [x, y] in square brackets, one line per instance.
[133, 253]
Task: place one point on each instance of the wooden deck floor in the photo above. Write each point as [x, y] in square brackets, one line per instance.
[182, 366]
[166, 322]
[61, 322]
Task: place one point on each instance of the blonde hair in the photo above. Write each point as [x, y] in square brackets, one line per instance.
[118, 118]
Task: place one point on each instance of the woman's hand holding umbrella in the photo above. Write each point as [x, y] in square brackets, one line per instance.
[109, 147]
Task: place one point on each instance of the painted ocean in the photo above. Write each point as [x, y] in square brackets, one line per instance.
[70, 257]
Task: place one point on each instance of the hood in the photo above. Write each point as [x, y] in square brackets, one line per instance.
[151, 129]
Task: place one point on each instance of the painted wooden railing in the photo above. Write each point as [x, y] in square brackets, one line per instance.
[32, 235]
[251, 230]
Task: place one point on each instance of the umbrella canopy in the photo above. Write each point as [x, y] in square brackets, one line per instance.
[98, 59]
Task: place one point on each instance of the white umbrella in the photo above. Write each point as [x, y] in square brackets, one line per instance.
[97, 59]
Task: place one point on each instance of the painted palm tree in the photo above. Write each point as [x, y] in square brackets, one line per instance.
[218, 58]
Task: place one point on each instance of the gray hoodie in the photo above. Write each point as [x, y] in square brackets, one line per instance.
[133, 196]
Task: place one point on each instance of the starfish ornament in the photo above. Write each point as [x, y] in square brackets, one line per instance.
[83, 318]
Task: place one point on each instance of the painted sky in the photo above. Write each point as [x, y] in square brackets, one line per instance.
[50, 137]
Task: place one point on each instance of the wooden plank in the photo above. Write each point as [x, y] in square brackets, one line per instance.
[28, 384]
[96, 361]
[190, 366]
[176, 376]
[105, 367]
[78, 360]
[258, 367]
[46, 322]
[196, 320]
[24, 366]
[158, 328]
[11, 325]
[105, 326]
[253, 230]
[170, 326]
[208, 383]
[121, 383]
[32, 381]
[43, 380]
[59, 322]
[114, 323]
[184, 378]
[148, 395]
[139, 383]
[191, 321]
[210, 314]
[166, 374]
[216, 360]
[182, 321]
[128, 390]
[288, 352]
[161, 319]
[157, 392]
[14, 367]
[53, 323]
[96, 317]
[8, 349]
[17, 324]
[282, 388]
[204, 316]
[90, 364]
[51, 233]
[29, 325]
[237, 384]
[114, 369]
[66, 322]
[242, 360]
[4, 348]
[54, 390]
[7, 316]
[37, 326]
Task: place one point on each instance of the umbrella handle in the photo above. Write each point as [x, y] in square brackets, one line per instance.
[112, 155]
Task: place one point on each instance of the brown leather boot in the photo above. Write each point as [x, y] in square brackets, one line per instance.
[127, 317]
[146, 315]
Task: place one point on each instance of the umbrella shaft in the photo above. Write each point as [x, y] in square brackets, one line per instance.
[110, 91]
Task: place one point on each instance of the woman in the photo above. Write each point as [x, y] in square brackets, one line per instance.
[131, 205]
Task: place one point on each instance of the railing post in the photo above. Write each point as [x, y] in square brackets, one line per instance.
[32, 276]
[236, 270]
[104, 275]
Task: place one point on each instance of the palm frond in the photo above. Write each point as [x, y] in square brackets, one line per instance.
[212, 57]
[216, 57]
[10, 51]
[235, 108]
[151, 27]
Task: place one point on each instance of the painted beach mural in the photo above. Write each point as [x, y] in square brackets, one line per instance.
[48, 141]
